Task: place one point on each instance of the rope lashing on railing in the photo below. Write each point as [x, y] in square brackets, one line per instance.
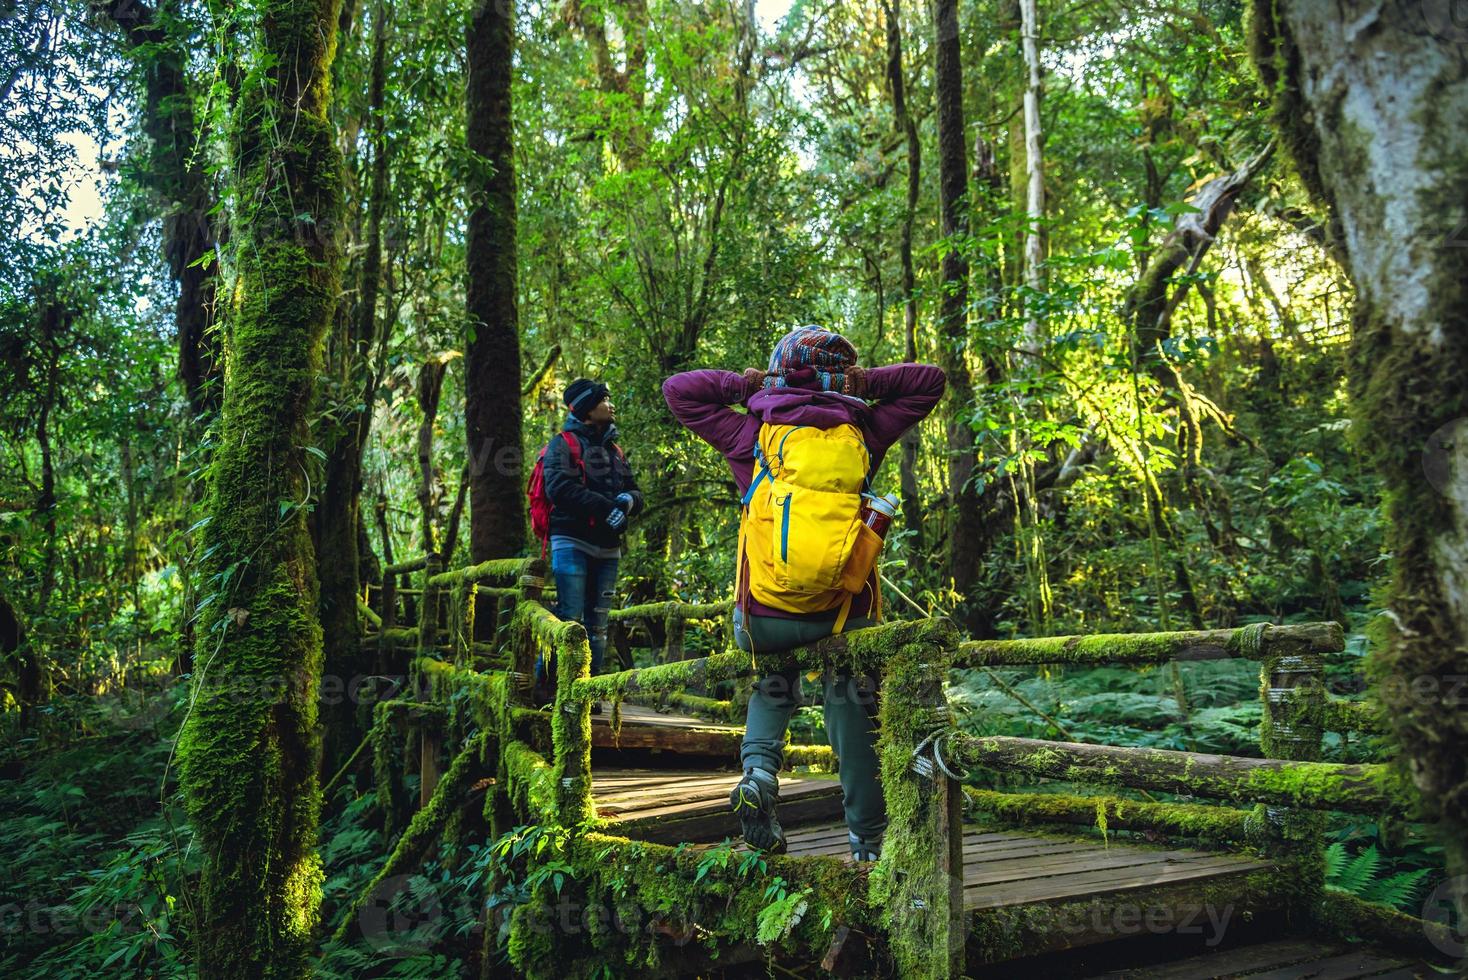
[1251, 640]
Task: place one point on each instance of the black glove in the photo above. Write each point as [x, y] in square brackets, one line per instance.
[625, 502]
[617, 519]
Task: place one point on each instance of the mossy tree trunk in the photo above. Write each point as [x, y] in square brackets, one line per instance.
[1372, 102]
[248, 752]
[492, 355]
[964, 520]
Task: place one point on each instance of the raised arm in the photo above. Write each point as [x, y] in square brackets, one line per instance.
[700, 401]
[904, 394]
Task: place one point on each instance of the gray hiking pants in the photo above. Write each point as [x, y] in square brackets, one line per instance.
[849, 705]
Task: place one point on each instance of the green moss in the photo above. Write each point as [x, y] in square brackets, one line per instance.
[683, 611]
[502, 572]
[821, 757]
[1247, 642]
[1345, 917]
[398, 637]
[529, 782]
[1277, 59]
[1354, 716]
[1373, 789]
[639, 908]
[1214, 825]
[910, 882]
[387, 749]
[864, 651]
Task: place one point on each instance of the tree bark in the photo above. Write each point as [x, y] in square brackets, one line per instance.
[912, 505]
[492, 412]
[1034, 252]
[964, 528]
[175, 173]
[1372, 103]
[248, 751]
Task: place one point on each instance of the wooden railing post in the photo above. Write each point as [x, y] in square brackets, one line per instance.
[1292, 687]
[428, 607]
[571, 724]
[919, 879]
[427, 640]
[389, 621]
[462, 612]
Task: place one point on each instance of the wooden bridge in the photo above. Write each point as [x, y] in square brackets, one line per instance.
[615, 834]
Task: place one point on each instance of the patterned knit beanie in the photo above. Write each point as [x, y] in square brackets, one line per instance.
[830, 355]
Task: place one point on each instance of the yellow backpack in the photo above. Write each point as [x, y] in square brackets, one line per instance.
[801, 537]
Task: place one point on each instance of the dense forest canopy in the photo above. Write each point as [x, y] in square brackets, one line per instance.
[291, 290]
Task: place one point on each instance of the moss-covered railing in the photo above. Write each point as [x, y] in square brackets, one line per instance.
[1276, 800]
[480, 630]
[913, 895]
[674, 618]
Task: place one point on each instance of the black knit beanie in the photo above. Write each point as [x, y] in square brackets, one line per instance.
[582, 395]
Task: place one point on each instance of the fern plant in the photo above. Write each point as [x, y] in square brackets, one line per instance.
[1361, 876]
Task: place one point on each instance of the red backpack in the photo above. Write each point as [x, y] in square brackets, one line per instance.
[540, 504]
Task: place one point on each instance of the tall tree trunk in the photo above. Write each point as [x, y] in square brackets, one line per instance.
[338, 519]
[964, 530]
[1034, 253]
[912, 505]
[248, 752]
[492, 412]
[1372, 101]
[175, 173]
[430, 388]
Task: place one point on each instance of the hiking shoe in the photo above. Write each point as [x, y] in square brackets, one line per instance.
[754, 801]
[863, 849]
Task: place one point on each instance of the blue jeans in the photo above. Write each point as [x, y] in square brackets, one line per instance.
[585, 587]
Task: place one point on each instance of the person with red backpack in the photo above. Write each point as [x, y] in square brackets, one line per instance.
[582, 492]
[814, 431]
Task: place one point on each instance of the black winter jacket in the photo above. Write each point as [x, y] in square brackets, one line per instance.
[581, 500]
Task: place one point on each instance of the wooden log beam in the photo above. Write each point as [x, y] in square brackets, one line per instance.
[1372, 789]
[1211, 824]
[1350, 918]
[863, 651]
[1247, 642]
[504, 572]
[677, 610]
[406, 565]
[368, 613]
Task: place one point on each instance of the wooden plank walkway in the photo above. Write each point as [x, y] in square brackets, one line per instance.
[1007, 872]
[1001, 868]
[672, 806]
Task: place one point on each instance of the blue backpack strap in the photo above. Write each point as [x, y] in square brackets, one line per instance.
[762, 473]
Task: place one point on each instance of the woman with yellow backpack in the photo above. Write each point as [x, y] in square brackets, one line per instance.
[815, 428]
